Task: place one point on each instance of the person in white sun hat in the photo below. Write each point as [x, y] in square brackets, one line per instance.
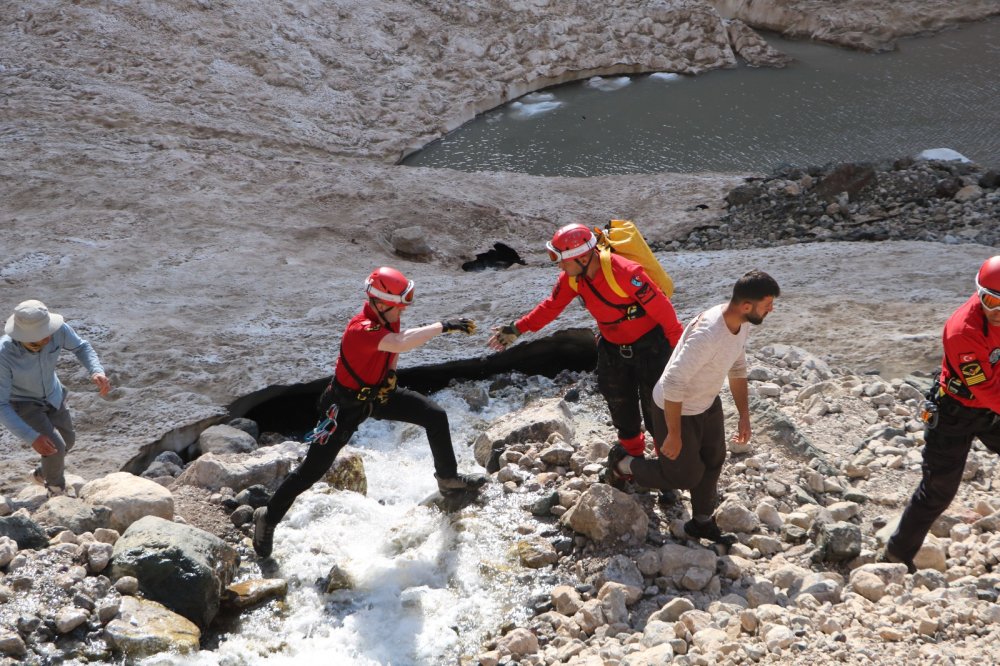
[32, 399]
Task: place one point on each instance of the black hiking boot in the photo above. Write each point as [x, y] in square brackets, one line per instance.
[612, 476]
[473, 481]
[890, 557]
[263, 533]
[708, 530]
[668, 498]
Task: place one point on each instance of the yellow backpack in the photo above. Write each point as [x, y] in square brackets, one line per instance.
[622, 237]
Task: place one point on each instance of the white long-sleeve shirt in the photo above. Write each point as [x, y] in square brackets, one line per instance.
[706, 354]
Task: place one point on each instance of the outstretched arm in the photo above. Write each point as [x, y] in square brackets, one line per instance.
[412, 338]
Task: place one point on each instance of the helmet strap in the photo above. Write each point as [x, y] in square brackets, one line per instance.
[381, 313]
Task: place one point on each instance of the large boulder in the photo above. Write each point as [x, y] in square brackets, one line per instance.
[23, 530]
[184, 568]
[348, 472]
[129, 497]
[266, 467]
[688, 568]
[225, 439]
[73, 514]
[531, 424]
[144, 628]
[606, 514]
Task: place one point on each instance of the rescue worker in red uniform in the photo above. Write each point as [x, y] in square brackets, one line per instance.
[364, 385]
[636, 332]
[967, 396]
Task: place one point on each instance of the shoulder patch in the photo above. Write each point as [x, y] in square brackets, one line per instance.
[644, 294]
[373, 327]
[966, 358]
[995, 356]
[636, 281]
[972, 372]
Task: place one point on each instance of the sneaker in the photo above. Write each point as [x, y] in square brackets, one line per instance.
[461, 482]
[612, 476]
[263, 533]
[888, 556]
[56, 491]
[668, 498]
[709, 530]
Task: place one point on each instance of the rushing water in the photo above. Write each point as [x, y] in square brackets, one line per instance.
[428, 585]
[830, 105]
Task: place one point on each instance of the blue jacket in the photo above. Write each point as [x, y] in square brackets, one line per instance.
[30, 377]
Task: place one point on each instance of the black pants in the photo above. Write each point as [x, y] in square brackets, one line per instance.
[946, 449]
[403, 405]
[699, 465]
[626, 376]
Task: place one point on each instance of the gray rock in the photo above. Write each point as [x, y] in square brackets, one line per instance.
[180, 566]
[248, 426]
[410, 241]
[839, 541]
[23, 530]
[606, 515]
[620, 569]
[73, 514]
[220, 439]
[531, 424]
[145, 628]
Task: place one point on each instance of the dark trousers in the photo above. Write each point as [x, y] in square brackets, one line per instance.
[946, 449]
[57, 425]
[402, 405]
[626, 376]
[699, 465]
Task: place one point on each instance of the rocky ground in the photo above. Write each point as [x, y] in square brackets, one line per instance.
[201, 189]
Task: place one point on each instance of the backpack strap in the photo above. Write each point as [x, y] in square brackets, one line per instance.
[609, 276]
[629, 310]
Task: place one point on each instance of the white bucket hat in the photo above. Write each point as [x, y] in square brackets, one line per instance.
[32, 322]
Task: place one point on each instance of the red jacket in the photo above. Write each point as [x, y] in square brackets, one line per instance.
[972, 354]
[597, 294]
[359, 347]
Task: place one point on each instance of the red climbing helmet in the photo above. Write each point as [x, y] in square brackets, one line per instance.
[389, 286]
[988, 283]
[571, 241]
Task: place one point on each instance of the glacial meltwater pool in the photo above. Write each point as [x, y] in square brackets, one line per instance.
[832, 104]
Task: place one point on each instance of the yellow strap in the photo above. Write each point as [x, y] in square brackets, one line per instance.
[608, 274]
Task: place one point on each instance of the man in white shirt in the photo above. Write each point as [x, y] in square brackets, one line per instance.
[688, 423]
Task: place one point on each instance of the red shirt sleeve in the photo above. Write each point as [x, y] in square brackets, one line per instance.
[656, 304]
[546, 311]
[974, 356]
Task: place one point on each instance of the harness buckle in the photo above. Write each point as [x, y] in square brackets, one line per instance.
[365, 394]
[625, 351]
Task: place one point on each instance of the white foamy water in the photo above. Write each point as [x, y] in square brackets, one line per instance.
[665, 76]
[608, 84]
[534, 104]
[429, 585]
[943, 154]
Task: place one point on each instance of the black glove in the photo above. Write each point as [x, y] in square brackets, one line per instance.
[504, 336]
[464, 325]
